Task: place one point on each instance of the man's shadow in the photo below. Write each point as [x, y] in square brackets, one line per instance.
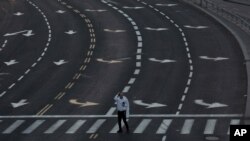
[237, 2]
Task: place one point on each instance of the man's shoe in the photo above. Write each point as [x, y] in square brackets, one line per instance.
[119, 131]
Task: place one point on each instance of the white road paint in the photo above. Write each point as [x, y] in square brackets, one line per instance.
[60, 11]
[164, 126]
[3, 73]
[161, 61]
[148, 105]
[33, 126]
[11, 62]
[156, 29]
[210, 126]
[165, 4]
[164, 138]
[188, 124]
[209, 106]
[142, 126]
[131, 115]
[135, 7]
[55, 126]
[191, 68]
[97, 10]
[111, 111]
[195, 27]
[18, 14]
[4, 45]
[114, 31]
[29, 33]
[213, 58]
[13, 127]
[24, 32]
[139, 42]
[108, 61]
[20, 103]
[96, 126]
[60, 62]
[82, 104]
[233, 122]
[75, 127]
[70, 32]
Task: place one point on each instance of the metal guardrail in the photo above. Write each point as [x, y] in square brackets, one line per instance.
[229, 15]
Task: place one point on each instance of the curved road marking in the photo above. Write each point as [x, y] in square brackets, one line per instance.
[84, 64]
[190, 61]
[41, 56]
[139, 45]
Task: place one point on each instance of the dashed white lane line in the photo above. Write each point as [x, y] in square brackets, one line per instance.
[44, 51]
[139, 46]
[4, 45]
[84, 64]
[190, 61]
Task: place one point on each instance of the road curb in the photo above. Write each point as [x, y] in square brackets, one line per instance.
[243, 40]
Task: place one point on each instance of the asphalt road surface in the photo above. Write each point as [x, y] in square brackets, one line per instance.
[63, 61]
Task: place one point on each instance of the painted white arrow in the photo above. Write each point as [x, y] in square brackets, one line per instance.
[60, 11]
[156, 29]
[82, 104]
[60, 62]
[20, 103]
[98, 10]
[3, 73]
[161, 61]
[213, 59]
[164, 4]
[195, 27]
[111, 61]
[137, 7]
[152, 105]
[70, 32]
[11, 62]
[29, 32]
[212, 105]
[115, 31]
[18, 14]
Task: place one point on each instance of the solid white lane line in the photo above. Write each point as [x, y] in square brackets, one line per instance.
[210, 126]
[164, 126]
[132, 115]
[75, 127]
[32, 127]
[13, 127]
[142, 126]
[188, 124]
[96, 126]
[54, 127]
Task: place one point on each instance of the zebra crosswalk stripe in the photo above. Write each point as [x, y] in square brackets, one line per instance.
[142, 126]
[188, 124]
[164, 126]
[210, 126]
[54, 127]
[13, 127]
[96, 126]
[233, 122]
[32, 127]
[75, 127]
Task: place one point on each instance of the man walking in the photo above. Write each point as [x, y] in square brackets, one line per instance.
[122, 109]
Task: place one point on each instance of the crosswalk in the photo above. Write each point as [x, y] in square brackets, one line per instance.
[183, 126]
